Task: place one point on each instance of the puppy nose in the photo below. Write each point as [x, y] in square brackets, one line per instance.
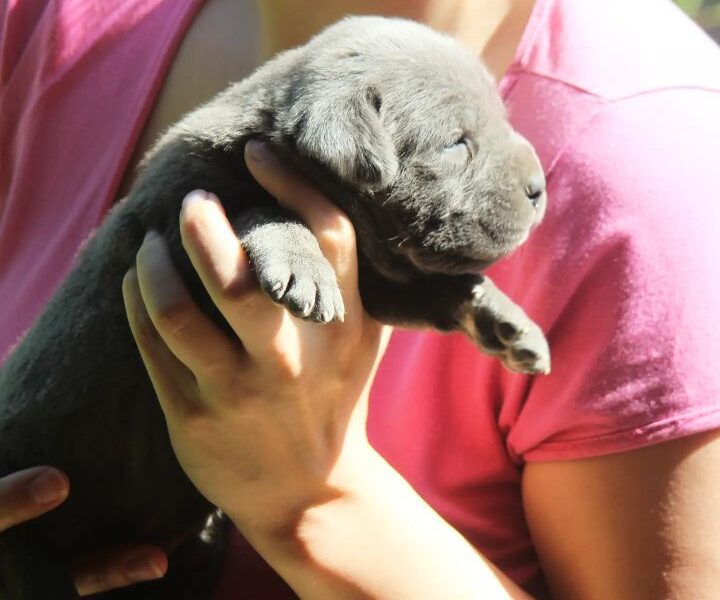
[535, 188]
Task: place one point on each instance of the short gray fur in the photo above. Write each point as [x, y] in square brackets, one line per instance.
[397, 124]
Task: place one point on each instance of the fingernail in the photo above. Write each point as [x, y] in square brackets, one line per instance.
[259, 151]
[49, 487]
[142, 568]
[197, 196]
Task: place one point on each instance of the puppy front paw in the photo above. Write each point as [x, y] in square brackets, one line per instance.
[501, 328]
[303, 282]
[289, 264]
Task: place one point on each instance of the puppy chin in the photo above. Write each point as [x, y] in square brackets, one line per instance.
[498, 244]
[447, 263]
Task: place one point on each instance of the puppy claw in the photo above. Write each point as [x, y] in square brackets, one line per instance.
[303, 283]
[527, 360]
[275, 282]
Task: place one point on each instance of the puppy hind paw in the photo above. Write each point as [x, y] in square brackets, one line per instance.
[528, 353]
[505, 331]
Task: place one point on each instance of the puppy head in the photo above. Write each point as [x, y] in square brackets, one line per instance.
[413, 123]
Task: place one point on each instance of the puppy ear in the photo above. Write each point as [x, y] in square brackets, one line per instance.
[346, 135]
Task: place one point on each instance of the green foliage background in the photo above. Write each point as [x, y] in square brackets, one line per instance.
[705, 12]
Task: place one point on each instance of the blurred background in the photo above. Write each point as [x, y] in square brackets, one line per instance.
[706, 14]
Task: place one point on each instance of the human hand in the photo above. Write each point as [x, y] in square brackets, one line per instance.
[273, 421]
[28, 494]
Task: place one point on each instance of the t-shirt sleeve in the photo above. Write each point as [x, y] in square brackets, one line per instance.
[624, 276]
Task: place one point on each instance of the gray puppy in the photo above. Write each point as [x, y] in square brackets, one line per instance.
[398, 125]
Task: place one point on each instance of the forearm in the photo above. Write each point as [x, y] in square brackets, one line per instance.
[378, 539]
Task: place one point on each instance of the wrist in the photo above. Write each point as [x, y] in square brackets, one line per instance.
[312, 548]
[274, 513]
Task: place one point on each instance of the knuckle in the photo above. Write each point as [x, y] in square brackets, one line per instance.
[172, 319]
[283, 362]
[146, 336]
[335, 231]
[242, 288]
[197, 423]
[286, 372]
[217, 377]
[92, 583]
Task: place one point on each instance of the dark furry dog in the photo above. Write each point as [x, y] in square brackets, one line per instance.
[405, 132]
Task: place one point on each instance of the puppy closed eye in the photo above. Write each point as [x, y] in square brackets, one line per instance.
[460, 148]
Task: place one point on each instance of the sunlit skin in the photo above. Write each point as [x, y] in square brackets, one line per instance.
[647, 515]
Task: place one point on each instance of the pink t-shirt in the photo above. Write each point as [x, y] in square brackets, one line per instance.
[622, 102]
